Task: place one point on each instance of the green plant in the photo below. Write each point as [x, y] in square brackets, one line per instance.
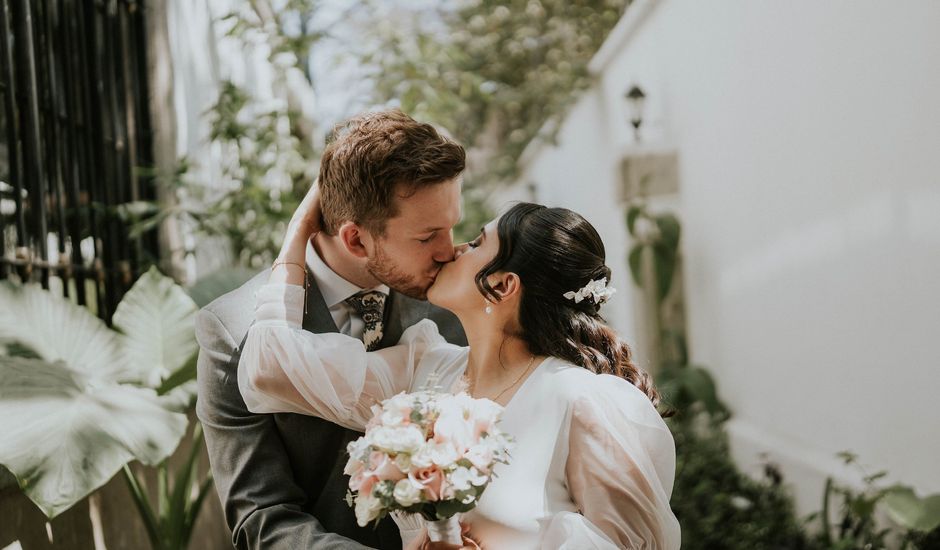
[81, 400]
[856, 523]
[720, 507]
[920, 516]
[178, 503]
[856, 526]
[492, 72]
[266, 173]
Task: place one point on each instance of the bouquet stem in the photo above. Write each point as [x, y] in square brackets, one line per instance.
[445, 530]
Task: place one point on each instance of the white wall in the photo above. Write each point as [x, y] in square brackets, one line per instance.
[808, 136]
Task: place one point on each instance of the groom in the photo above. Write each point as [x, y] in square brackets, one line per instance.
[390, 193]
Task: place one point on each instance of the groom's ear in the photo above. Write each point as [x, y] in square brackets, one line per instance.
[356, 240]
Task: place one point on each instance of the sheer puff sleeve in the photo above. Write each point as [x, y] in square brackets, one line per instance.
[284, 368]
[620, 472]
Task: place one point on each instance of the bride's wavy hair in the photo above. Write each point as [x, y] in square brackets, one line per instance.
[554, 251]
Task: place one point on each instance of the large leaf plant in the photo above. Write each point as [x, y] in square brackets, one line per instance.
[79, 401]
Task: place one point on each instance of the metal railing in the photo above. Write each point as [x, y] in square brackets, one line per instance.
[74, 128]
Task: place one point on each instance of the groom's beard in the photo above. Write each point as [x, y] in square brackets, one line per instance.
[384, 269]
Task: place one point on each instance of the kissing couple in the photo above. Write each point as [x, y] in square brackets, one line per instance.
[369, 297]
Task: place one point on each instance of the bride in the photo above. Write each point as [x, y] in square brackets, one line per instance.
[593, 462]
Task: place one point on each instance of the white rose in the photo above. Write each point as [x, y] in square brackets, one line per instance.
[453, 427]
[393, 418]
[422, 458]
[401, 439]
[403, 461]
[407, 492]
[397, 410]
[368, 508]
[442, 454]
[358, 449]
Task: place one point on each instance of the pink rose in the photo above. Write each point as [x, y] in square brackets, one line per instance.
[383, 467]
[431, 480]
[354, 467]
[355, 482]
[365, 488]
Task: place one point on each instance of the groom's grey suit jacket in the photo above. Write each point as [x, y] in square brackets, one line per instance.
[280, 476]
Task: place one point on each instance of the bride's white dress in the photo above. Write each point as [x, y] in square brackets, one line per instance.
[592, 465]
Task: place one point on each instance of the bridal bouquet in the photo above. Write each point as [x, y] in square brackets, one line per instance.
[426, 453]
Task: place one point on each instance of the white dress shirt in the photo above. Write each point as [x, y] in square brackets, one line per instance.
[335, 290]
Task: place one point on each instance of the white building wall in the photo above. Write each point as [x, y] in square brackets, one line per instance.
[808, 136]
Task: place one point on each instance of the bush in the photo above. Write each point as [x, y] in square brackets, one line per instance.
[720, 507]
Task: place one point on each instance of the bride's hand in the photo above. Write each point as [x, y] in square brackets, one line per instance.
[305, 223]
[422, 542]
[307, 219]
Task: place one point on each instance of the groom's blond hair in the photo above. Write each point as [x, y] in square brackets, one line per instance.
[371, 156]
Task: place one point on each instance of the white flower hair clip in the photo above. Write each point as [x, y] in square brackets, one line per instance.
[596, 291]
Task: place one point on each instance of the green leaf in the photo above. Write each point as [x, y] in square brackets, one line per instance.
[157, 318]
[66, 433]
[143, 506]
[220, 282]
[633, 212]
[701, 387]
[669, 230]
[192, 513]
[182, 375]
[664, 265]
[58, 330]
[911, 512]
[182, 486]
[636, 264]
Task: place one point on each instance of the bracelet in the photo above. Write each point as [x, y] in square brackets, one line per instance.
[306, 281]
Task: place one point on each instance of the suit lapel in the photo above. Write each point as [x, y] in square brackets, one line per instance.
[400, 313]
[317, 319]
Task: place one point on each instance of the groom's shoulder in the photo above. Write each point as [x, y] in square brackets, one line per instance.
[235, 309]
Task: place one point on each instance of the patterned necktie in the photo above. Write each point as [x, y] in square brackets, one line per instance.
[370, 306]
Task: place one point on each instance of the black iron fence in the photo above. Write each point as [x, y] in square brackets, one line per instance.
[74, 128]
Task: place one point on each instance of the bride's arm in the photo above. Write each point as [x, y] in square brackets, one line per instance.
[620, 470]
[284, 368]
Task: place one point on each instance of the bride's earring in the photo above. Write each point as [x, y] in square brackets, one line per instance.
[489, 308]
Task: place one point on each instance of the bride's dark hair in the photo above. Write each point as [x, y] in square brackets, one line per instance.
[554, 251]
